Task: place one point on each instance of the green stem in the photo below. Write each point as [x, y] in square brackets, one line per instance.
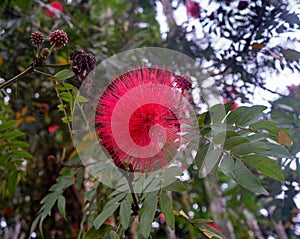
[83, 115]
[38, 51]
[52, 48]
[129, 179]
[42, 73]
[57, 65]
[64, 110]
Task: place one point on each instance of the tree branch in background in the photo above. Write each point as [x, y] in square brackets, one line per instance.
[280, 230]
[252, 224]
[218, 206]
[168, 11]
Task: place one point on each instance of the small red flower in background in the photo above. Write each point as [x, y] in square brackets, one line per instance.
[193, 9]
[162, 218]
[293, 90]
[136, 119]
[52, 128]
[57, 5]
[233, 107]
[107, 222]
[7, 211]
[86, 227]
[214, 226]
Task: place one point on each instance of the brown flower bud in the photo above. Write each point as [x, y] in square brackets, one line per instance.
[45, 52]
[82, 63]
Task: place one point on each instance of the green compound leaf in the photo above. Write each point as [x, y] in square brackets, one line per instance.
[12, 182]
[125, 212]
[265, 165]
[66, 96]
[147, 213]
[166, 207]
[227, 166]
[7, 125]
[243, 115]
[247, 179]
[176, 186]
[17, 144]
[250, 147]
[12, 134]
[63, 75]
[108, 210]
[61, 204]
[234, 141]
[22, 154]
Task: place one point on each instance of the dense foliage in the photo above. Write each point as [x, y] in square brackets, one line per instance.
[244, 187]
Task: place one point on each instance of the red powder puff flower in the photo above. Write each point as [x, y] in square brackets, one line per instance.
[193, 9]
[137, 119]
[56, 5]
[233, 107]
[52, 128]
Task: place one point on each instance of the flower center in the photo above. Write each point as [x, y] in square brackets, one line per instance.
[148, 116]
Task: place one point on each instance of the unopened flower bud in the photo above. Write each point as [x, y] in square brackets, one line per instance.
[37, 38]
[45, 52]
[59, 37]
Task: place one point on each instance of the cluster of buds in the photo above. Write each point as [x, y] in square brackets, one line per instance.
[82, 63]
[57, 38]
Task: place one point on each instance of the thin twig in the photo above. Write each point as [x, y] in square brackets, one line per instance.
[64, 111]
[57, 65]
[129, 179]
[17, 77]
[271, 91]
[42, 73]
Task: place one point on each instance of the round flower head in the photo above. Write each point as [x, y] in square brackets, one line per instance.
[37, 38]
[59, 38]
[193, 9]
[138, 119]
[83, 63]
